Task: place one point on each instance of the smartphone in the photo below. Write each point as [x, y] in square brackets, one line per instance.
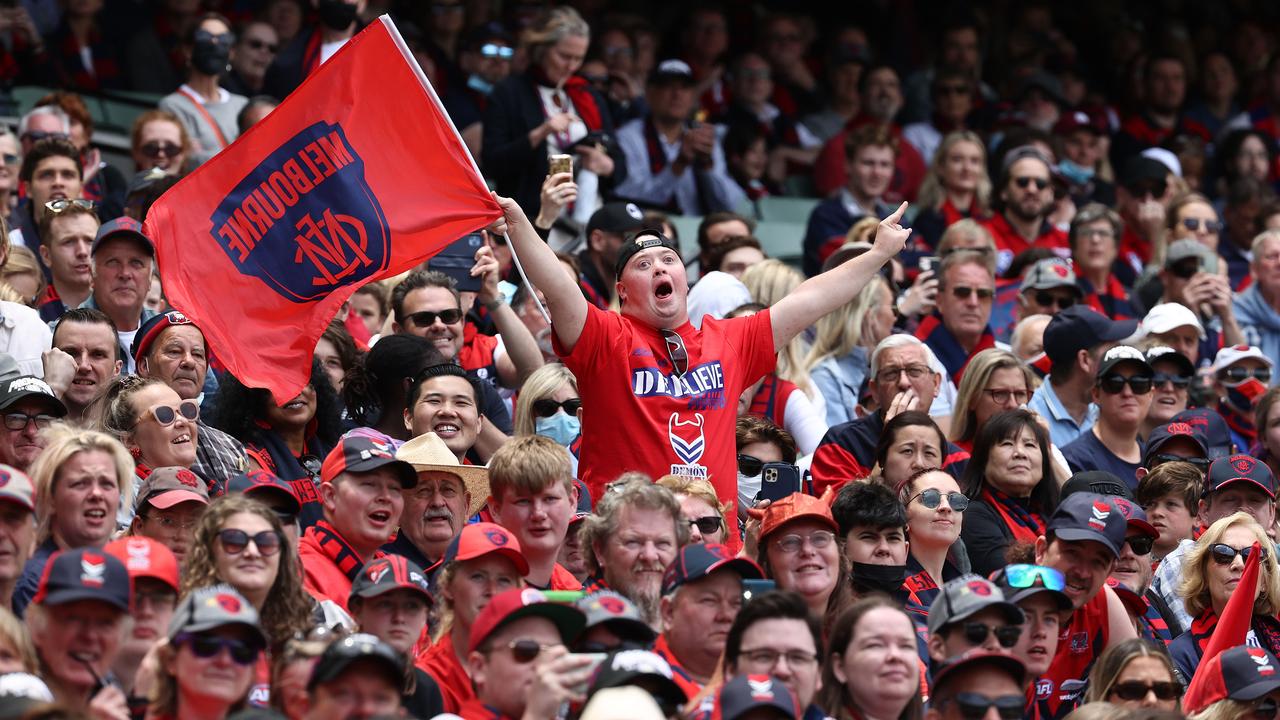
[928, 262]
[752, 588]
[595, 660]
[561, 164]
[457, 259]
[778, 480]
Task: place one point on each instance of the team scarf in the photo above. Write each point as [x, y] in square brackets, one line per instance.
[952, 215]
[1025, 525]
[1152, 626]
[273, 453]
[337, 550]
[579, 91]
[1265, 627]
[947, 348]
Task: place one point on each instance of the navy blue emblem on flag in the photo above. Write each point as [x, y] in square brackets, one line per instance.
[305, 221]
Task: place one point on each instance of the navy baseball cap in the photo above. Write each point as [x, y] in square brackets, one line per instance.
[1089, 516]
[1212, 429]
[698, 560]
[1080, 327]
[1136, 517]
[355, 453]
[1239, 468]
[122, 226]
[1163, 434]
[1164, 353]
[1239, 673]
[258, 483]
[85, 574]
[385, 574]
[351, 649]
[151, 329]
[746, 693]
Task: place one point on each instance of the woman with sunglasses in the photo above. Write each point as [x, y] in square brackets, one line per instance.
[935, 515]
[840, 356]
[1122, 393]
[873, 670]
[699, 507]
[1135, 674]
[207, 109]
[994, 381]
[1211, 574]
[240, 542]
[208, 665]
[1011, 488]
[156, 425]
[290, 440]
[549, 405]
[1171, 376]
[159, 140]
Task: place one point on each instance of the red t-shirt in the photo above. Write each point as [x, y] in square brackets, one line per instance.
[637, 415]
[1080, 643]
[442, 665]
[562, 579]
[479, 354]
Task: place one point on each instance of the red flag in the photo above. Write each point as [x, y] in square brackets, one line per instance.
[358, 175]
[1232, 630]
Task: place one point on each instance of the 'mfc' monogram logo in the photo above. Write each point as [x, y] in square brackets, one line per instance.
[305, 221]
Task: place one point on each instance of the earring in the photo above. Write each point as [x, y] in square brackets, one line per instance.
[136, 452]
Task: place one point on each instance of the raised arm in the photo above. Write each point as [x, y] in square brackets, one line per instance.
[564, 298]
[827, 291]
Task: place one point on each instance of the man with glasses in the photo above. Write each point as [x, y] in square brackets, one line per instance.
[774, 634]
[50, 171]
[1258, 307]
[976, 684]
[1172, 375]
[1190, 277]
[971, 613]
[1173, 442]
[701, 595]
[1133, 572]
[960, 326]
[123, 259]
[154, 572]
[532, 494]
[1122, 394]
[1024, 201]
[67, 231]
[167, 507]
[27, 406]
[1241, 375]
[1047, 288]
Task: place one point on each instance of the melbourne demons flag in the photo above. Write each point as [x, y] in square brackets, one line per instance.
[358, 175]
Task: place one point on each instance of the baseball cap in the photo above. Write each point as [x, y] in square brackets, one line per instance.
[28, 386]
[8, 368]
[1164, 353]
[355, 453]
[698, 560]
[1099, 482]
[671, 71]
[151, 329]
[642, 241]
[1122, 354]
[1049, 273]
[1069, 122]
[1185, 249]
[1212, 429]
[1233, 354]
[627, 667]
[1240, 673]
[264, 482]
[123, 226]
[480, 539]
[168, 486]
[979, 658]
[428, 453]
[1089, 516]
[618, 218]
[965, 596]
[1019, 581]
[1134, 603]
[1162, 434]
[1080, 327]
[20, 692]
[1140, 168]
[16, 487]
[144, 557]
[1136, 518]
[796, 506]
[351, 649]
[1041, 80]
[1169, 316]
[745, 693]
[84, 574]
[516, 603]
[392, 572]
[616, 610]
[622, 703]
[1239, 468]
[212, 607]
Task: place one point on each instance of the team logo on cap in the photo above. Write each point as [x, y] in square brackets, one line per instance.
[1243, 464]
[612, 605]
[496, 537]
[188, 478]
[978, 587]
[228, 602]
[1060, 270]
[29, 384]
[1125, 508]
[1259, 657]
[1098, 515]
[634, 211]
[139, 552]
[93, 569]
[1123, 352]
[175, 317]
[377, 571]
[1179, 428]
[761, 687]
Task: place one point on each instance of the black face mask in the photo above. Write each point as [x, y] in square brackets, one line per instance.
[210, 57]
[869, 578]
[336, 14]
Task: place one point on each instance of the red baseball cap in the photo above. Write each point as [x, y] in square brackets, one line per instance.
[144, 557]
[796, 506]
[356, 453]
[516, 603]
[480, 539]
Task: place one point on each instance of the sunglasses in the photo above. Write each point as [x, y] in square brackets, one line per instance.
[36, 136]
[962, 292]
[493, 50]
[1154, 189]
[167, 415]
[1140, 544]
[1062, 302]
[155, 149]
[1224, 554]
[1201, 464]
[427, 318]
[1026, 182]
[546, 407]
[974, 706]
[235, 541]
[1024, 576]
[1179, 382]
[1240, 374]
[676, 352]
[1136, 690]
[932, 498]
[526, 651]
[1197, 224]
[207, 646]
[1114, 384]
[1265, 710]
[1185, 270]
[1007, 635]
[63, 204]
[19, 420]
[706, 525]
[749, 466]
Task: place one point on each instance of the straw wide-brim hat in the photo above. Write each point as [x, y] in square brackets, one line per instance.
[428, 453]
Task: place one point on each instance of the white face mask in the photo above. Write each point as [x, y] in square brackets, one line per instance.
[748, 488]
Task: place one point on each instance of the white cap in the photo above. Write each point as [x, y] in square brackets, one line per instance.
[1167, 316]
[24, 685]
[1229, 356]
[1166, 158]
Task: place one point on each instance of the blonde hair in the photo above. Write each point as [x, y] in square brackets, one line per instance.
[698, 488]
[22, 260]
[932, 193]
[528, 464]
[1226, 709]
[14, 633]
[843, 329]
[976, 376]
[768, 282]
[1194, 587]
[541, 383]
[553, 26]
[967, 227]
[863, 230]
[64, 442]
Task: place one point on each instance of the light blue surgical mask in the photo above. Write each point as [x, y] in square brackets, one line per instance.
[1075, 174]
[561, 427]
[479, 84]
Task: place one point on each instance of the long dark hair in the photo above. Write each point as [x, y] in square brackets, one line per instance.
[241, 411]
[910, 418]
[380, 381]
[1003, 426]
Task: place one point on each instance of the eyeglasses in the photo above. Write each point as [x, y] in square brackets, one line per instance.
[1240, 374]
[1224, 554]
[889, 375]
[706, 525]
[1026, 182]
[962, 292]
[1140, 544]
[1185, 270]
[62, 204]
[1062, 302]
[1007, 635]
[427, 318]
[493, 50]
[1198, 224]
[932, 498]
[818, 539]
[155, 149]
[36, 136]
[526, 651]
[1002, 397]
[169, 522]
[768, 657]
[749, 466]
[546, 407]
[1136, 690]
[676, 352]
[155, 598]
[974, 706]
[1201, 464]
[1023, 575]
[1265, 709]
[19, 420]
[207, 646]
[167, 415]
[256, 44]
[1179, 382]
[235, 541]
[1114, 384]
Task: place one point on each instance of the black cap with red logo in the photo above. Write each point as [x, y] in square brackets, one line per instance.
[698, 560]
[1240, 469]
[84, 574]
[1239, 673]
[1089, 516]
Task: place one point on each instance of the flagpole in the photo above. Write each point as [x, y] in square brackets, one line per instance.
[422, 78]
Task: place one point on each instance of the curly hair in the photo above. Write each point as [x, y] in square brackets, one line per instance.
[377, 383]
[241, 408]
[288, 608]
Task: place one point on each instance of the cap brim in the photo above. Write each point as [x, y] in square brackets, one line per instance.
[664, 688]
[1076, 534]
[327, 672]
[1012, 613]
[169, 498]
[18, 500]
[1253, 691]
[205, 626]
[1059, 597]
[1119, 330]
[376, 590]
[631, 628]
[517, 557]
[278, 491]
[70, 595]
[59, 410]
[1270, 493]
[1146, 528]
[408, 476]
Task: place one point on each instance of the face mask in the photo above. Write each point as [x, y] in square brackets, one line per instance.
[477, 83]
[561, 427]
[210, 58]
[336, 14]
[1075, 174]
[748, 487]
[1246, 393]
[878, 578]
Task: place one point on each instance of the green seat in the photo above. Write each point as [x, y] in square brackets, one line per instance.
[782, 240]
[687, 227]
[786, 209]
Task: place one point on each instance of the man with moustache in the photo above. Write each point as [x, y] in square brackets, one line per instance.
[435, 510]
